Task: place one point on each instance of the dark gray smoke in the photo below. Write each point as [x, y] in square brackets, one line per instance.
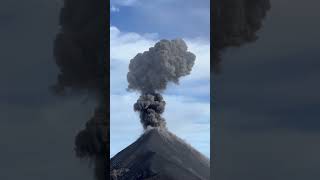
[235, 23]
[151, 106]
[151, 71]
[78, 48]
[79, 51]
[166, 62]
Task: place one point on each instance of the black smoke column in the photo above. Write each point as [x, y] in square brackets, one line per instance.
[151, 71]
[151, 106]
[235, 23]
[79, 52]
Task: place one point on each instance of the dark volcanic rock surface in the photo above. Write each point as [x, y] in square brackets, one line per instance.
[159, 154]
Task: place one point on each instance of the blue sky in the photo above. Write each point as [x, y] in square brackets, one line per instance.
[168, 18]
[137, 25]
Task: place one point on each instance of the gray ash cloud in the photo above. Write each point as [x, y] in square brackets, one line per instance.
[151, 71]
[166, 62]
[150, 107]
[235, 23]
[79, 51]
[78, 48]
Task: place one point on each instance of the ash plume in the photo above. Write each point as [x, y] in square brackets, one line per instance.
[151, 71]
[235, 23]
[79, 54]
[151, 106]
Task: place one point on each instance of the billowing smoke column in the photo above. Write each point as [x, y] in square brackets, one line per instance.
[235, 23]
[79, 53]
[151, 71]
[151, 106]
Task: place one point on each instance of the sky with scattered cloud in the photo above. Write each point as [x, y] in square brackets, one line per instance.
[136, 25]
[170, 19]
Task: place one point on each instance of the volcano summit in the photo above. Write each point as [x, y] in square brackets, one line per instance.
[159, 154]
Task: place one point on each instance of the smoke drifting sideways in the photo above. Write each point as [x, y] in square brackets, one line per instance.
[235, 23]
[79, 54]
[151, 71]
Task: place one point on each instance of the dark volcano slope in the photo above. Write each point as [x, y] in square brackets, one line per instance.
[159, 154]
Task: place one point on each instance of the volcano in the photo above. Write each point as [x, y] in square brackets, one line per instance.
[159, 154]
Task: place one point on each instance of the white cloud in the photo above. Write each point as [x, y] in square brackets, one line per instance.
[124, 46]
[125, 127]
[186, 115]
[114, 9]
[201, 49]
